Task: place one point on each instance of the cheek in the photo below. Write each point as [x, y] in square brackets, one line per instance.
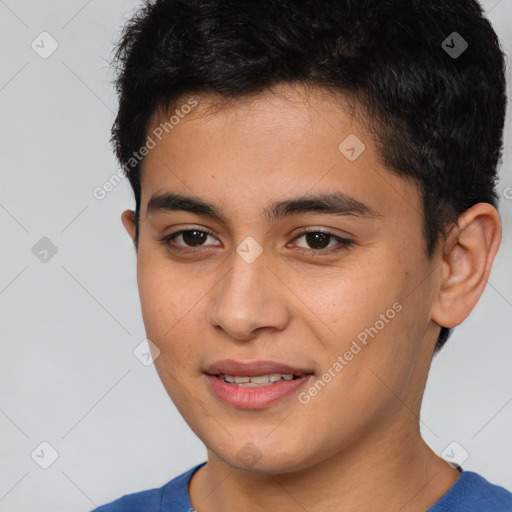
[354, 301]
[169, 311]
[375, 324]
[160, 309]
[170, 302]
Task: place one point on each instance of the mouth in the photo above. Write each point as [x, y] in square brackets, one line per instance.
[254, 384]
[255, 368]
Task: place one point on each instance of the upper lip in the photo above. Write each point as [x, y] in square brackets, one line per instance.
[252, 368]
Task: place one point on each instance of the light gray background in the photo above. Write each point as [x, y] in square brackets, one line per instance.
[68, 375]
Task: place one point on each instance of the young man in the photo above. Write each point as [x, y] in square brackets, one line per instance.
[315, 210]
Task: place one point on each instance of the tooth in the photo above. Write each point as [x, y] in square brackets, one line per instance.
[256, 380]
[260, 379]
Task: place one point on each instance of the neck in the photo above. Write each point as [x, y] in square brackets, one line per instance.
[395, 471]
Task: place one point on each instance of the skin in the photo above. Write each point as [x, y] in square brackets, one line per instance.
[356, 445]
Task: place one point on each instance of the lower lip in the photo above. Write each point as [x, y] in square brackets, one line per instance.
[254, 397]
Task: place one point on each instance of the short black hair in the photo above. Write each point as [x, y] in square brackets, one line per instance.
[438, 114]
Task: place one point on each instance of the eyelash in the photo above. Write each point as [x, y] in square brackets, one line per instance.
[343, 243]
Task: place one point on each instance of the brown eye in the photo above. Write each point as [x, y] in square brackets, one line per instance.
[194, 237]
[188, 239]
[317, 240]
[320, 242]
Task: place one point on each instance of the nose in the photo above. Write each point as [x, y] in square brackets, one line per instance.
[249, 300]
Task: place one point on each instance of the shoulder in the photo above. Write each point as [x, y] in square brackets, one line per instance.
[473, 493]
[170, 497]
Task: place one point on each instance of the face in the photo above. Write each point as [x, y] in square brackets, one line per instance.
[250, 281]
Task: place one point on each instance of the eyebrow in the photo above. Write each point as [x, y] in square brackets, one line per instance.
[333, 203]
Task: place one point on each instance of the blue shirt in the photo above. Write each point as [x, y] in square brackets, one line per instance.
[469, 493]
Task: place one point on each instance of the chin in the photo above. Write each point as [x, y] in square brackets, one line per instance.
[263, 457]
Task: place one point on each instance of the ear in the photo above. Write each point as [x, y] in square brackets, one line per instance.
[129, 223]
[467, 256]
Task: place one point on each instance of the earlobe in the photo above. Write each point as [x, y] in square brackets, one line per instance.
[128, 220]
[468, 254]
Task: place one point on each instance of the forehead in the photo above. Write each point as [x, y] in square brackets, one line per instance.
[283, 142]
[291, 111]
